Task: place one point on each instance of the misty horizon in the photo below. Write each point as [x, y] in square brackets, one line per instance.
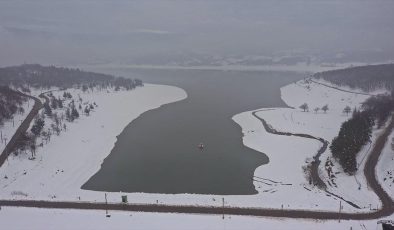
[195, 33]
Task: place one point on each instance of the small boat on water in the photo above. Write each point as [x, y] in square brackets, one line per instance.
[201, 146]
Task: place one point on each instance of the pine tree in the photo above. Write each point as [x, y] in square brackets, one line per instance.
[74, 113]
[37, 126]
[47, 109]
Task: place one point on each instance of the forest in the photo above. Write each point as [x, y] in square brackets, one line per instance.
[38, 76]
[368, 78]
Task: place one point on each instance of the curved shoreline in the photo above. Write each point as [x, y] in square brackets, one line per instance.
[387, 208]
[316, 180]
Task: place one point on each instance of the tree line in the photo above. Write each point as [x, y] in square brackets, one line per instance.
[26, 76]
[368, 78]
[356, 132]
[37, 76]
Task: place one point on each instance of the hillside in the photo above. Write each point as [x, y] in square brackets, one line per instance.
[368, 78]
[39, 76]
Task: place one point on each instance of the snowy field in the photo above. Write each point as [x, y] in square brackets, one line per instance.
[33, 218]
[292, 153]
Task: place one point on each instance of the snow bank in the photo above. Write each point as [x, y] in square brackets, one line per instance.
[33, 218]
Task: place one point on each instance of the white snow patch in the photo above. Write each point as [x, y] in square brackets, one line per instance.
[33, 218]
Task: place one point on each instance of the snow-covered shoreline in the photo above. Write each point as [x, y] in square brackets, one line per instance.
[293, 153]
[38, 218]
[56, 175]
[71, 158]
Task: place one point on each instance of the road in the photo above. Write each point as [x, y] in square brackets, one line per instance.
[22, 128]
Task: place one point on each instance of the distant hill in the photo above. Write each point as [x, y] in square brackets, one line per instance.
[368, 77]
[47, 76]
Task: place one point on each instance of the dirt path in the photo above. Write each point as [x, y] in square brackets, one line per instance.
[316, 180]
[343, 90]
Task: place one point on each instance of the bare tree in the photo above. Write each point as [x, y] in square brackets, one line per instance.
[325, 108]
[347, 110]
[304, 107]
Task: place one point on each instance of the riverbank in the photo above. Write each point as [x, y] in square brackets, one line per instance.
[67, 161]
[294, 154]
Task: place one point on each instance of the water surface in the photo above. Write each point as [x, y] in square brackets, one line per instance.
[157, 152]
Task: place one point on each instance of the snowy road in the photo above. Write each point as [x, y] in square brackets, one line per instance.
[21, 129]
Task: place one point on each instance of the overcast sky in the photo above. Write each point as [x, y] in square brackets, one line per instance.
[84, 31]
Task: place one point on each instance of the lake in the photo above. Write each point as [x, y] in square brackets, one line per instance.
[158, 152]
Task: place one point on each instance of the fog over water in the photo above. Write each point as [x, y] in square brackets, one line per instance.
[199, 32]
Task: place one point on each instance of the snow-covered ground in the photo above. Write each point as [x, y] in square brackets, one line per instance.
[292, 153]
[67, 161]
[33, 218]
[10, 126]
[385, 168]
[64, 164]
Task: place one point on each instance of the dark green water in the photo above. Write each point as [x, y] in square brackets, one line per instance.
[157, 152]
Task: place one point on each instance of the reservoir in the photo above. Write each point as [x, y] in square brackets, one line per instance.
[159, 151]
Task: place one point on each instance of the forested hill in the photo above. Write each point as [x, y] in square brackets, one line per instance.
[47, 76]
[368, 77]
